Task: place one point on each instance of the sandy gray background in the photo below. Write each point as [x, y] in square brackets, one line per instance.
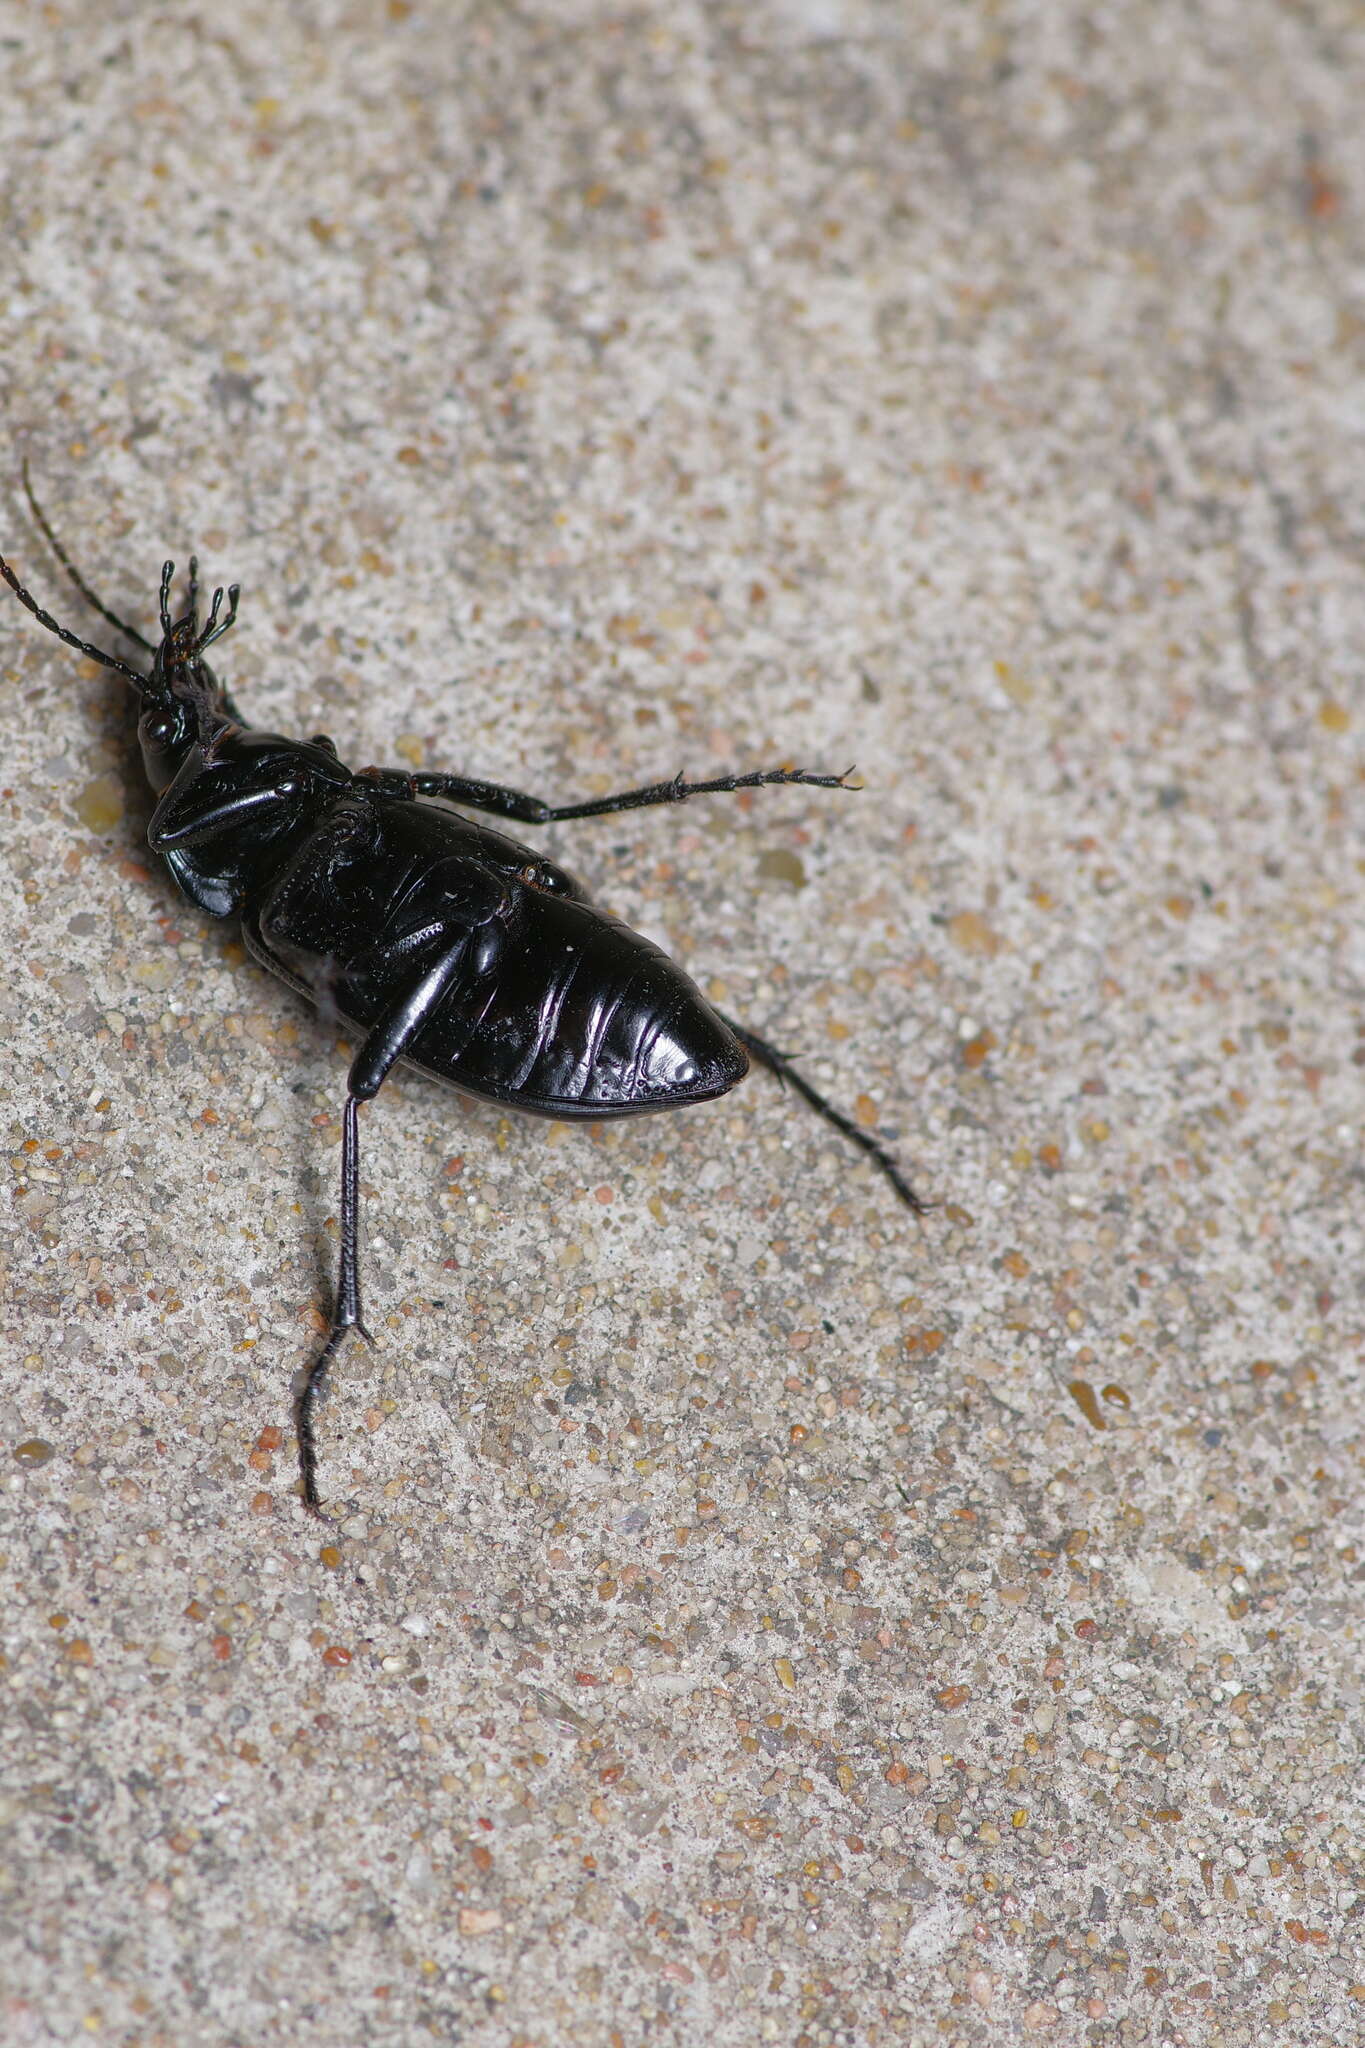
[746, 1616]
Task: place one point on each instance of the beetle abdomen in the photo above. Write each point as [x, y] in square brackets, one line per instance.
[581, 1016]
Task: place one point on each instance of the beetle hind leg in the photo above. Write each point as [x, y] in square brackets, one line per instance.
[782, 1065]
[386, 1041]
[346, 1312]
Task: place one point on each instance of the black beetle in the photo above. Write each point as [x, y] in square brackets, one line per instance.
[443, 942]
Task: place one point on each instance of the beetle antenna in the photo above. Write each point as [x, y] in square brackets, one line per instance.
[167, 572]
[26, 598]
[45, 527]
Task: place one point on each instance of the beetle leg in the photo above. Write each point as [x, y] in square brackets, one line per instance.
[346, 1315]
[390, 1038]
[780, 1063]
[386, 1042]
[503, 802]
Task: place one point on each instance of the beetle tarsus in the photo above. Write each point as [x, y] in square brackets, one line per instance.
[310, 1394]
[303, 1417]
[347, 1314]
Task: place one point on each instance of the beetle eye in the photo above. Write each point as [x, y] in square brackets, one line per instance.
[540, 875]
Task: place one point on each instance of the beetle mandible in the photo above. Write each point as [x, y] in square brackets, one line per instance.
[443, 942]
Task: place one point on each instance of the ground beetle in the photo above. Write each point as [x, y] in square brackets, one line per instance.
[442, 942]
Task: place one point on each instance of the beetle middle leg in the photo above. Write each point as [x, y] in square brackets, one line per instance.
[502, 802]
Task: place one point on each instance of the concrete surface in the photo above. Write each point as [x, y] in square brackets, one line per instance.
[745, 1616]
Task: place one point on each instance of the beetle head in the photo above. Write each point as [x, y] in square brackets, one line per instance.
[182, 700]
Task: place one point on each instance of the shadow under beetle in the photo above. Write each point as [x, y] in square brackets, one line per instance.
[443, 942]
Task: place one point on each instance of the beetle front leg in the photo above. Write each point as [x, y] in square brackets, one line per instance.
[502, 802]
